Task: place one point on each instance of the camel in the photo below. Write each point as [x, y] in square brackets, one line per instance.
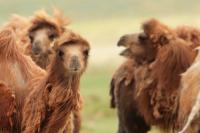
[42, 32]
[189, 99]
[16, 65]
[143, 63]
[56, 95]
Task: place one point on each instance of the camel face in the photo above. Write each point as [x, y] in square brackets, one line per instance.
[41, 38]
[73, 52]
[138, 46]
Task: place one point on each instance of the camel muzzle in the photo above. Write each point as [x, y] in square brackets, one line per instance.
[122, 41]
[74, 64]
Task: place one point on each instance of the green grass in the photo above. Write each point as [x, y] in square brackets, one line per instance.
[97, 116]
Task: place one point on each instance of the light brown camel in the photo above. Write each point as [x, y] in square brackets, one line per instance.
[56, 95]
[189, 108]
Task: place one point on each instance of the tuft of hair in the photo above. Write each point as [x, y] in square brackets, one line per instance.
[8, 44]
[157, 32]
[57, 20]
[19, 25]
[189, 34]
[70, 36]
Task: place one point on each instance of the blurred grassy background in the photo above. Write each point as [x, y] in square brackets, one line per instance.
[102, 22]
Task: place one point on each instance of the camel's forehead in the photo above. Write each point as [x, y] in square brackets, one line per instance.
[72, 38]
[42, 25]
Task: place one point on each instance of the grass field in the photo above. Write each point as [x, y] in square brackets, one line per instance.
[102, 22]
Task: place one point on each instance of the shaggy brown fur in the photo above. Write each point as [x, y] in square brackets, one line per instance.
[7, 104]
[189, 34]
[16, 71]
[20, 27]
[55, 96]
[122, 92]
[159, 35]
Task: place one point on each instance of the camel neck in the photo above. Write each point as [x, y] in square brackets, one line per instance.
[57, 75]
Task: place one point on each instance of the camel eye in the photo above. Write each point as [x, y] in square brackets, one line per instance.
[60, 53]
[52, 36]
[143, 37]
[86, 52]
[31, 38]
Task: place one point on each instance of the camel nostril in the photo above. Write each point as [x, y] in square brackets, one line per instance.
[74, 63]
[35, 48]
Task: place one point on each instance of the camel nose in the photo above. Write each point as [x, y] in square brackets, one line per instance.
[74, 63]
[36, 47]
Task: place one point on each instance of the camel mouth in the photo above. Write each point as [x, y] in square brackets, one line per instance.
[74, 70]
[126, 52]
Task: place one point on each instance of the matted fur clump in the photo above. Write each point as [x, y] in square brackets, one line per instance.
[189, 34]
[7, 103]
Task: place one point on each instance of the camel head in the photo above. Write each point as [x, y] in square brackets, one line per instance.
[44, 29]
[143, 46]
[41, 38]
[72, 51]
